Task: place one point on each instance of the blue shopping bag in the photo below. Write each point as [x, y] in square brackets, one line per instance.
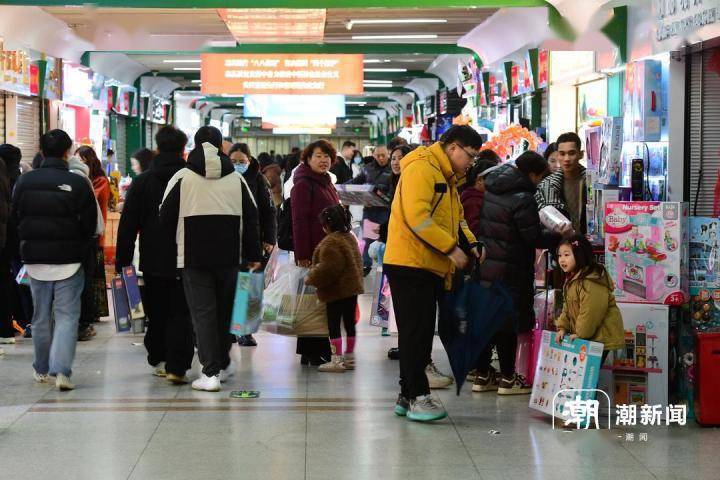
[247, 307]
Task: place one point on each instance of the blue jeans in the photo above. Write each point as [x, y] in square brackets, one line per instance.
[55, 323]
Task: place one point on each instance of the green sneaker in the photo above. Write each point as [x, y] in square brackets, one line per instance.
[402, 406]
[426, 409]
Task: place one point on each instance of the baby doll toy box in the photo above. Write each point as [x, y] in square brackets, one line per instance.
[646, 251]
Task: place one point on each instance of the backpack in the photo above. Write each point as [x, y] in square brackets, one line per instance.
[285, 224]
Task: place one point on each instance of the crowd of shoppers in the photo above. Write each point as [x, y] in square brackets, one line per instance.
[201, 219]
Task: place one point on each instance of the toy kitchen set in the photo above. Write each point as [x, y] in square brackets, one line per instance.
[646, 251]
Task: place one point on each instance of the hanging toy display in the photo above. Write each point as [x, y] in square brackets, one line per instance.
[512, 141]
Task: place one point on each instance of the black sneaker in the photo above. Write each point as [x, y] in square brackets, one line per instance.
[394, 353]
[517, 385]
[402, 406]
[247, 341]
[487, 382]
[85, 333]
[28, 331]
[366, 271]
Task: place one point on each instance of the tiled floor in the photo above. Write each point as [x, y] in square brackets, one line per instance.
[123, 423]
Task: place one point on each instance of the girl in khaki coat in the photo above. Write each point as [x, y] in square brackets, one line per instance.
[589, 308]
[337, 272]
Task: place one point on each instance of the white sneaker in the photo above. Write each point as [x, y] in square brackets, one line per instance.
[63, 383]
[437, 379]
[7, 341]
[159, 370]
[349, 361]
[207, 384]
[335, 365]
[228, 372]
[41, 377]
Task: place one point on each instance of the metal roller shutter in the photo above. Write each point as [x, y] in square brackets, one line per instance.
[2, 117]
[703, 130]
[148, 135]
[121, 144]
[543, 108]
[28, 126]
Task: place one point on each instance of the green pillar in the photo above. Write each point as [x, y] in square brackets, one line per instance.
[536, 116]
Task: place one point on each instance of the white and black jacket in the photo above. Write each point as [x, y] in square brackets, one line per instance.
[212, 211]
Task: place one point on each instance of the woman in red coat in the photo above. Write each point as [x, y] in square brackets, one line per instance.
[312, 192]
[94, 299]
[474, 193]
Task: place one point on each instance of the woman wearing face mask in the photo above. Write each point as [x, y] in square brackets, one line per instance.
[249, 168]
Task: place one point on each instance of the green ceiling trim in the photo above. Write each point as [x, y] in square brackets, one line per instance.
[216, 99]
[286, 3]
[559, 24]
[616, 30]
[358, 48]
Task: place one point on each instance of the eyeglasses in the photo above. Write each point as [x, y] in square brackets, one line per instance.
[474, 156]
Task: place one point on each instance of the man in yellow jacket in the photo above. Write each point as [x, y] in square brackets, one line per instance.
[427, 241]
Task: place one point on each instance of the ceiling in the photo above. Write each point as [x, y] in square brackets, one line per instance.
[151, 37]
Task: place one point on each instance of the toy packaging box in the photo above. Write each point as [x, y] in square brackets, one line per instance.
[644, 102]
[638, 374]
[611, 143]
[705, 273]
[568, 366]
[646, 251]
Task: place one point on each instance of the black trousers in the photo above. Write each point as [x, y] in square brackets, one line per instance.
[505, 340]
[342, 311]
[169, 336]
[210, 294]
[416, 294]
[6, 303]
[88, 307]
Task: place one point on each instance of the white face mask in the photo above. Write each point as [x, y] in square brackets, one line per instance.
[358, 159]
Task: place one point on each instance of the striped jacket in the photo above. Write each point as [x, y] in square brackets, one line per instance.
[550, 193]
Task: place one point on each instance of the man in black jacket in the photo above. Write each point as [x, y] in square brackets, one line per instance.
[56, 214]
[511, 231]
[169, 336]
[342, 169]
[210, 207]
[377, 173]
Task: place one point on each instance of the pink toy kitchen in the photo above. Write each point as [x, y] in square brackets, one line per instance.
[646, 251]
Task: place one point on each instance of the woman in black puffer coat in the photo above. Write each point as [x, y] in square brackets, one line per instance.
[511, 231]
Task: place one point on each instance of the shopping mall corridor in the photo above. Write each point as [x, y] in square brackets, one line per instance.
[123, 423]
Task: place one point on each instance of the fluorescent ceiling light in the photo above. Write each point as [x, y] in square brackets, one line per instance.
[376, 60]
[195, 81]
[378, 82]
[187, 69]
[223, 43]
[372, 21]
[395, 37]
[362, 104]
[275, 25]
[182, 61]
[385, 70]
[239, 104]
[376, 85]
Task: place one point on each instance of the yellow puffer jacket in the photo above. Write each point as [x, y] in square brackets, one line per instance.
[590, 311]
[426, 214]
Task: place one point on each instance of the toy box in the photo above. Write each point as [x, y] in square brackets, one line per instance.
[611, 143]
[562, 368]
[705, 272]
[646, 251]
[597, 197]
[638, 374]
[643, 102]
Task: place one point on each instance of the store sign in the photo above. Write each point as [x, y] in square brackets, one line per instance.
[543, 68]
[678, 18]
[15, 73]
[528, 83]
[156, 110]
[77, 85]
[288, 74]
[53, 79]
[515, 82]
